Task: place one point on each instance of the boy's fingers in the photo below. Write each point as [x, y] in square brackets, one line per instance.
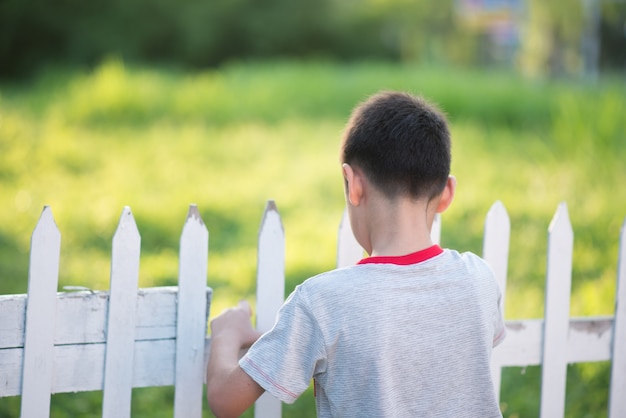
[245, 306]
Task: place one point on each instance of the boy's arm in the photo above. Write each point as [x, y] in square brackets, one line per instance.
[230, 391]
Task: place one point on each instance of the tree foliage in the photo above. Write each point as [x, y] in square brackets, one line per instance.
[201, 34]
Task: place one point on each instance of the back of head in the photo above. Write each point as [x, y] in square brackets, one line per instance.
[401, 143]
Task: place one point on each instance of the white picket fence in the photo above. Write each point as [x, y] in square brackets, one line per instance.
[128, 337]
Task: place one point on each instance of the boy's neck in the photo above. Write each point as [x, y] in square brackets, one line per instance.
[391, 226]
[400, 227]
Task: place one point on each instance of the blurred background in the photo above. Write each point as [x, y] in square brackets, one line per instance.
[157, 104]
[534, 37]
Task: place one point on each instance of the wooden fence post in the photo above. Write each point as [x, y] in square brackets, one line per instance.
[120, 334]
[270, 290]
[43, 277]
[617, 395]
[191, 317]
[556, 324]
[496, 252]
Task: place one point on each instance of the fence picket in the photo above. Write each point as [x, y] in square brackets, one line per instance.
[43, 276]
[192, 315]
[617, 400]
[496, 253]
[120, 336]
[349, 252]
[496, 243]
[557, 303]
[270, 290]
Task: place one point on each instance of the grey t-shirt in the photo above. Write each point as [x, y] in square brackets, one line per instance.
[396, 337]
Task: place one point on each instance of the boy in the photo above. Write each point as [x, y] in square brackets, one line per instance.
[409, 330]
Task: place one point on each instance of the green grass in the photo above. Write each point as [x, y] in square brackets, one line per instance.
[87, 143]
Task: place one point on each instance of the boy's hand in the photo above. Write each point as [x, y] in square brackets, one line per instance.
[230, 390]
[234, 325]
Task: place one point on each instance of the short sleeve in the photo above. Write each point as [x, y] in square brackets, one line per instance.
[284, 360]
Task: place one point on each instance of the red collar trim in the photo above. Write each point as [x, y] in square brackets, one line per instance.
[404, 260]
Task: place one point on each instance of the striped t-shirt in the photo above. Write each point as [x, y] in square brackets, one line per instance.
[403, 336]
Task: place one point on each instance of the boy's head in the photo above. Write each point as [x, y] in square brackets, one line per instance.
[401, 143]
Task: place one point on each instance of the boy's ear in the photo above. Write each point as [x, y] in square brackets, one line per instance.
[354, 186]
[447, 195]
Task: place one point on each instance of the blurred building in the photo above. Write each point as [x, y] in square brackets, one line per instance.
[542, 37]
[498, 23]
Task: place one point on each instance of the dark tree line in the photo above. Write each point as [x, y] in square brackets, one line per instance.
[206, 33]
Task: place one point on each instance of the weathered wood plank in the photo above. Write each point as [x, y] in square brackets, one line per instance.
[11, 371]
[191, 317]
[154, 342]
[43, 276]
[12, 320]
[522, 345]
[558, 290]
[496, 253]
[156, 316]
[118, 364]
[349, 252]
[80, 367]
[589, 340]
[617, 398]
[270, 290]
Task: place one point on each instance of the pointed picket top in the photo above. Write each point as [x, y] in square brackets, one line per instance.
[271, 218]
[191, 316]
[560, 221]
[557, 305]
[194, 227]
[43, 280]
[127, 232]
[194, 214]
[46, 225]
[270, 289]
[349, 252]
[435, 231]
[118, 363]
[617, 400]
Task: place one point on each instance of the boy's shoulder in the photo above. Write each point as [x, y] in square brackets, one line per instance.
[448, 259]
[467, 263]
[332, 277]
[448, 263]
[467, 257]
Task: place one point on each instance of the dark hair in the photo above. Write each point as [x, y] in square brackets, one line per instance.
[401, 143]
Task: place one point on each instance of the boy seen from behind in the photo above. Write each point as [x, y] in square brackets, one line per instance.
[409, 330]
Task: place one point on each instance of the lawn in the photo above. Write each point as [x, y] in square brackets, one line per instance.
[87, 142]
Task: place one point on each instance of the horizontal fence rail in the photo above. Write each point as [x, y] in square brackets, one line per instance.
[111, 341]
